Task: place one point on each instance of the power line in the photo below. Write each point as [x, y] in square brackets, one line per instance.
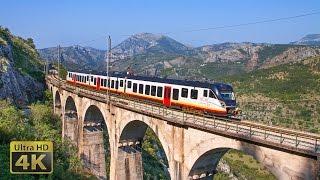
[252, 23]
[209, 28]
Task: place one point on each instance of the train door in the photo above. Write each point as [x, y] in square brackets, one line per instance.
[98, 83]
[74, 79]
[167, 96]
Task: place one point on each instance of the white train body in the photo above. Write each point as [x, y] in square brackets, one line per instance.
[172, 93]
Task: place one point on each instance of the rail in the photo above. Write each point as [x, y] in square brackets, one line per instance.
[281, 138]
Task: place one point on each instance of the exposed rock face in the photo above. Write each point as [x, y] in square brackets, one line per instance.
[16, 87]
[293, 54]
[228, 51]
[224, 167]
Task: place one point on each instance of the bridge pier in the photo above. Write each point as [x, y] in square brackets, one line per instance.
[71, 127]
[129, 162]
[93, 153]
[58, 110]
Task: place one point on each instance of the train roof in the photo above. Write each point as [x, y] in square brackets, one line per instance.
[164, 80]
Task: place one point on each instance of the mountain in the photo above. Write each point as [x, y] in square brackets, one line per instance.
[150, 54]
[75, 57]
[310, 39]
[21, 70]
[218, 60]
[149, 43]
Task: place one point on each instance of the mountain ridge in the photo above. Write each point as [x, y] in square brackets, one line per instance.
[160, 55]
[309, 39]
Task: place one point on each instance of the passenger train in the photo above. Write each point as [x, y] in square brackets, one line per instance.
[213, 98]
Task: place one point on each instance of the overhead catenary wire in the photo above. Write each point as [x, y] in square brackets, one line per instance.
[102, 37]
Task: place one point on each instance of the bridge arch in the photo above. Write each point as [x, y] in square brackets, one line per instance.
[70, 124]
[212, 147]
[132, 137]
[95, 141]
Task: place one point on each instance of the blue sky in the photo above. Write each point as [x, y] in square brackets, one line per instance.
[72, 22]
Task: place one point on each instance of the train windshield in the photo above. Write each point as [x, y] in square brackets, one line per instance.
[227, 95]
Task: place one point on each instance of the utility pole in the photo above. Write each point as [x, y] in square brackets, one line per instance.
[58, 61]
[108, 61]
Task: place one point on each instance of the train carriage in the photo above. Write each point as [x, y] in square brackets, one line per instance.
[215, 98]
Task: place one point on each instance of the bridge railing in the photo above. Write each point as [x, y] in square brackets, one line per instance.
[302, 142]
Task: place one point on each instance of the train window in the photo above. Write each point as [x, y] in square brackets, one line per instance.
[134, 87]
[121, 83]
[211, 95]
[87, 78]
[117, 84]
[108, 83]
[205, 93]
[91, 78]
[194, 94]
[141, 88]
[105, 82]
[129, 84]
[101, 82]
[175, 95]
[112, 83]
[153, 90]
[184, 92]
[147, 90]
[94, 81]
[159, 91]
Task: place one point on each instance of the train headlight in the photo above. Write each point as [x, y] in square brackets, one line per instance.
[223, 104]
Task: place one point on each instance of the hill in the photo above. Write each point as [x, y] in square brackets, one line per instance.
[21, 70]
[285, 95]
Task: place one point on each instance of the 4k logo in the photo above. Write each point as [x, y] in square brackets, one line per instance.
[31, 157]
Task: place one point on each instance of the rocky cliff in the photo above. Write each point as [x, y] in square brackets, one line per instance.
[21, 80]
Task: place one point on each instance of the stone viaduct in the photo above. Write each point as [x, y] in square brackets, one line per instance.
[191, 153]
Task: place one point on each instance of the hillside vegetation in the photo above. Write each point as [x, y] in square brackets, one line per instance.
[287, 95]
[37, 123]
